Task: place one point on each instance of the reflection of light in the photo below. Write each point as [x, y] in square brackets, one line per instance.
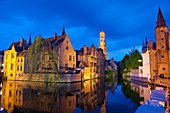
[1, 85]
[92, 74]
[1, 92]
[2, 64]
[84, 84]
[2, 70]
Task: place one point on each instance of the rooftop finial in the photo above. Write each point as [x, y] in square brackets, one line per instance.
[63, 32]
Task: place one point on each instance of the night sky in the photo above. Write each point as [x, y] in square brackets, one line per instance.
[126, 22]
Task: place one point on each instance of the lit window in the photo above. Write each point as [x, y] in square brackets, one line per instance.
[10, 93]
[12, 55]
[69, 57]
[11, 66]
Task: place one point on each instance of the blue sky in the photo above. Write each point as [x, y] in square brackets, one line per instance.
[126, 22]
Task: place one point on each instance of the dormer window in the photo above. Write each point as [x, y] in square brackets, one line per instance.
[12, 55]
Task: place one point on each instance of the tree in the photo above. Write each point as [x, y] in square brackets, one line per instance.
[130, 62]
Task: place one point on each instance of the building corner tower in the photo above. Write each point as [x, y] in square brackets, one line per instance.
[102, 43]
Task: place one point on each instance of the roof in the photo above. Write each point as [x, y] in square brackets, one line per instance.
[57, 41]
[23, 53]
[17, 46]
[160, 20]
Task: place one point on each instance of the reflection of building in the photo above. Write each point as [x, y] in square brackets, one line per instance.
[11, 96]
[112, 66]
[141, 88]
[52, 97]
[10, 58]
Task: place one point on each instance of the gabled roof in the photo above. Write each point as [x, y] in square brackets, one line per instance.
[23, 53]
[160, 20]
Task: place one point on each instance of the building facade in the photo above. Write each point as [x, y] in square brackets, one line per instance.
[157, 55]
[102, 43]
[10, 58]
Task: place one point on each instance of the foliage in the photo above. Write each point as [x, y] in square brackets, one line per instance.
[126, 89]
[130, 62]
[34, 56]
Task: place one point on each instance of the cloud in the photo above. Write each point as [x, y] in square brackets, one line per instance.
[126, 23]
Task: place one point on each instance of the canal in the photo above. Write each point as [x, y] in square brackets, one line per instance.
[97, 95]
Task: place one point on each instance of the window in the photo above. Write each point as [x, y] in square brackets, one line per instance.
[162, 46]
[9, 105]
[162, 56]
[19, 93]
[162, 31]
[21, 68]
[69, 57]
[6, 65]
[18, 60]
[10, 93]
[21, 60]
[11, 75]
[12, 55]
[73, 58]
[66, 65]
[67, 48]
[73, 65]
[6, 56]
[67, 42]
[16, 92]
[163, 68]
[69, 103]
[19, 74]
[162, 38]
[11, 66]
[10, 85]
[17, 67]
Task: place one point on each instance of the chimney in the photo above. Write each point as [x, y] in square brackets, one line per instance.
[85, 49]
[22, 41]
[55, 35]
[150, 45]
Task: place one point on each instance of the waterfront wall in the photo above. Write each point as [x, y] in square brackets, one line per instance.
[49, 77]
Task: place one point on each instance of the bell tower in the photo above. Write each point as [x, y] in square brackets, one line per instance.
[102, 43]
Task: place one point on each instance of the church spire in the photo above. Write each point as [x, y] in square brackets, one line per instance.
[160, 20]
[29, 44]
[63, 32]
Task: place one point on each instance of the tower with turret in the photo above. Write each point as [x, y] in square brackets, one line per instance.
[102, 43]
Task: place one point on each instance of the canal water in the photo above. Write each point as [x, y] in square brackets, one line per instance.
[97, 95]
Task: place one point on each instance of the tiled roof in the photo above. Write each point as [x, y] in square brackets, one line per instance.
[23, 53]
[160, 20]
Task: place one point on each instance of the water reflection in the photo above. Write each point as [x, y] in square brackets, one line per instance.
[55, 97]
[97, 95]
